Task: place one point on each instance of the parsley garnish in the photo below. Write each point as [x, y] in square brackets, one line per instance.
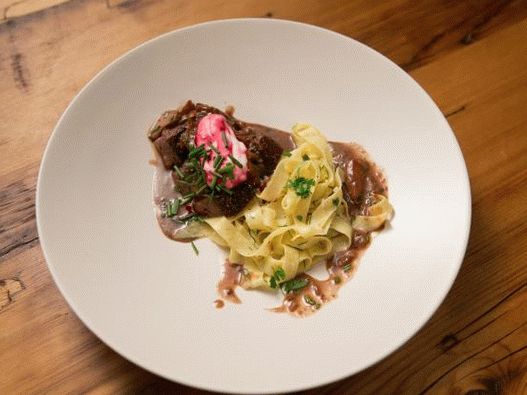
[222, 188]
[217, 162]
[189, 217]
[299, 217]
[305, 157]
[212, 147]
[172, 207]
[336, 202]
[197, 152]
[196, 251]
[337, 280]
[214, 181]
[310, 301]
[277, 277]
[286, 153]
[235, 161]
[179, 172]
[347, 267]
[302, 186]
[294, 284]
[224, 138]
[228, 170]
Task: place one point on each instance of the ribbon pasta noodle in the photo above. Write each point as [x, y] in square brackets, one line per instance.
[299, 219]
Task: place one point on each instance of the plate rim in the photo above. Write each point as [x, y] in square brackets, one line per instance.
[294, 386]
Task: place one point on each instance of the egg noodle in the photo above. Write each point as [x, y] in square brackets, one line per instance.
[298, 220]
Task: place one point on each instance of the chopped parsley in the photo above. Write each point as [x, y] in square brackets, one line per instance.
[217, 162]
[302, 186]
[337, 280]
[305, 157]
[286, 153]
[235, 161]
[179, 172]
[196, 251]
[336, 202]
[310, 301]
[192, 175]
[224, 138]
[228, 170]
[222, 188]
[197, 152]
[190, 217]
[172, 208]
[213, 147]
[347, 267]
[277, 277]
[214, 181]
[299, 217]
[294, 284]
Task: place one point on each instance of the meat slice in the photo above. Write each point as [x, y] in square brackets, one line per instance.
[174, 132]
[263, 153]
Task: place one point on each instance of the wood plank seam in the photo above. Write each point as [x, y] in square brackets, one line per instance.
[467, 39]
[454, 367]
[510, 354]
[17, 247]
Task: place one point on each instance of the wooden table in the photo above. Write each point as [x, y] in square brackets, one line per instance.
[471, 56]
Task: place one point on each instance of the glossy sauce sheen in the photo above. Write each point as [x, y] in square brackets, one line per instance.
[361, 180]
[163, 191]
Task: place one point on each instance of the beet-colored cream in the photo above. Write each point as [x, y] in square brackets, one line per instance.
[214, 131]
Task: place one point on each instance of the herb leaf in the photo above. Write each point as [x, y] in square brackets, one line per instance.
[336, 202]
[305, 157]
[302, 186]
[309, 300]
[277, 277]
[224, 138]
[196, 251]
[226, 190]
[179, 172]
[235, 161]
[294, 284]
[217, 162]
[286, 153]
[172, 208]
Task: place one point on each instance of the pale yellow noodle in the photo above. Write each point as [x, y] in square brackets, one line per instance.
[281, 229]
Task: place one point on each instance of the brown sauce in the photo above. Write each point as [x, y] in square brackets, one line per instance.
[232, 277]
[219, 303]
[340, 267]
[163, 191]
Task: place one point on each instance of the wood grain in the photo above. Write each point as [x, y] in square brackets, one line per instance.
[471, 56]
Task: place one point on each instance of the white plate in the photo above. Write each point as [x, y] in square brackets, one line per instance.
[151, 299]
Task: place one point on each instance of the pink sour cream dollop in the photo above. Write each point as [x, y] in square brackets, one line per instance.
[209, 133]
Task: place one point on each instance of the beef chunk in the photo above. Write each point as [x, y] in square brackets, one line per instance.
[263, 153]
[174, 132]
[225, 204]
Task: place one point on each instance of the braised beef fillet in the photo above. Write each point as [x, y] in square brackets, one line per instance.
[174, 132]
[228, 205]
[263, 153]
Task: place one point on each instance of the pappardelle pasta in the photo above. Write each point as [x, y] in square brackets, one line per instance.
[299, 219]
